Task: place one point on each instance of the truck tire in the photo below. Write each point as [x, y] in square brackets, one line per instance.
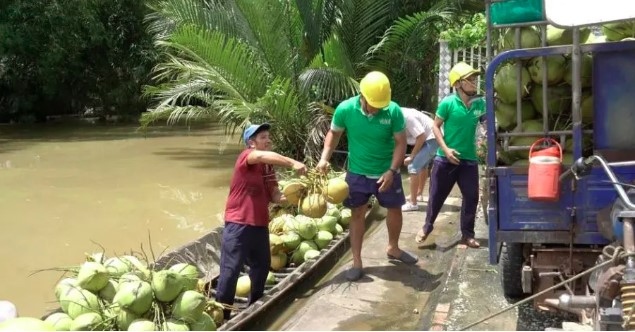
[511, 265]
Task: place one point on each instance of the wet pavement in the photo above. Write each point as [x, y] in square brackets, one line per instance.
[450, 287]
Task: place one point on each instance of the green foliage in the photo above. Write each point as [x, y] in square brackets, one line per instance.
[63, 56]
[284, 62]
[466, 34]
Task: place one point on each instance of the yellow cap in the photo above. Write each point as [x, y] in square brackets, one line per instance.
[460, 71]
[375, 87]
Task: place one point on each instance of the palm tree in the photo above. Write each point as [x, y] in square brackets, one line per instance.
[281, 61]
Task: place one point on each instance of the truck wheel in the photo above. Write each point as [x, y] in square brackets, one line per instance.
[511, 264]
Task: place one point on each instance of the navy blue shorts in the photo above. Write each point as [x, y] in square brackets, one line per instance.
[361, 188]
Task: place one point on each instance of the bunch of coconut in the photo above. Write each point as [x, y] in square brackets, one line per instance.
[311, 194]
[125, 294]
[520, 87]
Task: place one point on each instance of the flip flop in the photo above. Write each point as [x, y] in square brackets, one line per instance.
[354, 274]
[405, 257]
[421, 237]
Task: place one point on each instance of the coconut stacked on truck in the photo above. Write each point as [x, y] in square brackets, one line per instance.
[125, 294]
[558, 81]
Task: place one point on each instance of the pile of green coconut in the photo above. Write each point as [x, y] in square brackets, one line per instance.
[296, 239]
[558, 81]
[125, 294]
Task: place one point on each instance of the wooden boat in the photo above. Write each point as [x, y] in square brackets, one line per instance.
[205, 254]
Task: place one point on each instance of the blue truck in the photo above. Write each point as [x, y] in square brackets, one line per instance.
[586, 235]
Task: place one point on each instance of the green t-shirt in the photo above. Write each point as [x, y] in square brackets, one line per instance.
[459, 125]
[371, 139]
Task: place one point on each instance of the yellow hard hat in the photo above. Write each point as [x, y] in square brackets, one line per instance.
[375, 87]
[460, 71]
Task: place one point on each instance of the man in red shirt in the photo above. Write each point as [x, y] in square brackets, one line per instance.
[246, 234]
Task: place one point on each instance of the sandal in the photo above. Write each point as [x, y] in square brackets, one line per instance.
[471, 243]
[421, 237]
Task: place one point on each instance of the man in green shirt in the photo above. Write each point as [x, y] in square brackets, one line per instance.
[375, 128]
[456, 161]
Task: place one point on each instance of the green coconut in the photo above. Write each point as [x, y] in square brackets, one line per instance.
[63, 286]
[128, 277]
[586, 71]
[327, 223]
[529, 38]
[298, 255]
[76, 301]
[311, 254]
[174, 325]
[116, 266]
[25, 324]
[333, 211]
[108, 293]
[505, 82]
[323, 239]
[189, 306]
[291, 240]
[92, 276]
[557, 36]
[306, 227]
[346, 217]
[60, 321]
[339, 229]
[205, 323]
[124, 318]
[142, 324]
[506, 113]
[166, 285]
[558, 99]
[271, 279]
[556, 69]
[134, 296]
[91, 321]
[618, 30]
[289, 224]
[189, 275]
[243, 286]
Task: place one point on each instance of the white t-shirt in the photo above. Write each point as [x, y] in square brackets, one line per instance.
[417, 123]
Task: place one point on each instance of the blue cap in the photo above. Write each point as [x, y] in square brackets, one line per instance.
[253, 130]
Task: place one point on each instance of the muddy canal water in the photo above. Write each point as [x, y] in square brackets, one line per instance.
[65, 190]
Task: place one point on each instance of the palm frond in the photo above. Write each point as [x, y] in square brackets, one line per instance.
[328, 84]
[408, 32]
[272, 24]
[175, 114]
[334, 54]
[228, 64]
[364, 21]
[167, 15]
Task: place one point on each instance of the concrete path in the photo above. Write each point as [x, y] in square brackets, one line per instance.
[391, 296]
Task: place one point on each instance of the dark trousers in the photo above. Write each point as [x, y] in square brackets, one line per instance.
[444, 176]
[243, 244]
